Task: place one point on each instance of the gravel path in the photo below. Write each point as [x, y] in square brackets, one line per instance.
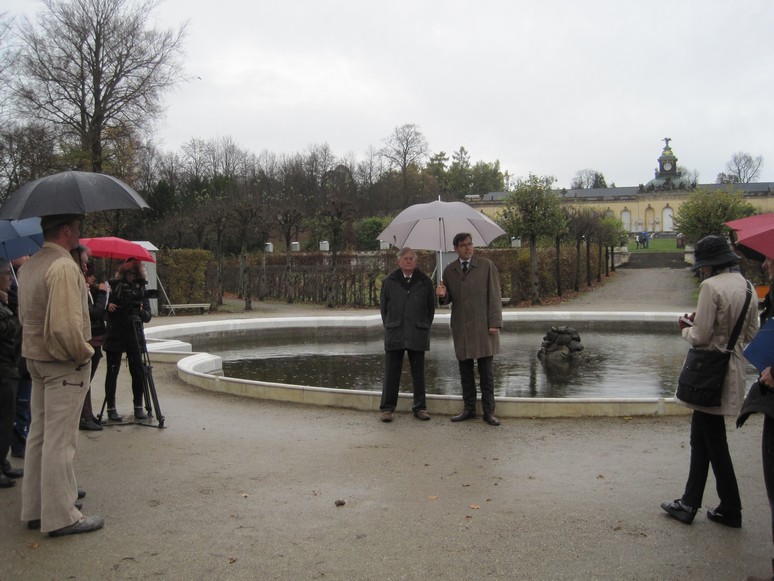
[247, 489]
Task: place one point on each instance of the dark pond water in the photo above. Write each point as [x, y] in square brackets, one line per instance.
[617, 365]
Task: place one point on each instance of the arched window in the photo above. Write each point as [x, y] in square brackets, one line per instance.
[668, 219]
[626, 218]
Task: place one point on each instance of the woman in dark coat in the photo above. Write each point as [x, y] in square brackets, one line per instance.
[9, 375]
[128, 308]
[97, 306]
[407, 306]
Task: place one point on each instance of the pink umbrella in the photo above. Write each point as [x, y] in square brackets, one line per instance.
[755, 232]
[116, 248]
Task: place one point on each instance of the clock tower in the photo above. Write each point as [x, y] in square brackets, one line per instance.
[667, 177]
[667, 162]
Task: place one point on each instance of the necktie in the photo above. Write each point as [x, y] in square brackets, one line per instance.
[465, 266]
[407, 279]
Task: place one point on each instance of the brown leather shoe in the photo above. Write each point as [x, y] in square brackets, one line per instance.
[422, 415]
[386, 416]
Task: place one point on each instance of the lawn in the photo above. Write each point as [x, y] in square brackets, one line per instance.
[657, 245]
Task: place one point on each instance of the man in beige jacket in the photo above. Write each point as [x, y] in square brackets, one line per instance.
[54, 313]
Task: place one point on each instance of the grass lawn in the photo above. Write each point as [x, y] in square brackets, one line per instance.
[657, 245]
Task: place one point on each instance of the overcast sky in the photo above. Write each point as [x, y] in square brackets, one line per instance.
[546, 87]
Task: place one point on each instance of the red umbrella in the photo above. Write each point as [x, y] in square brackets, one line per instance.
[756, 233]
[112, 247]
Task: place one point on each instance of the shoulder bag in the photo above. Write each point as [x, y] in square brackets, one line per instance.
[704, 371]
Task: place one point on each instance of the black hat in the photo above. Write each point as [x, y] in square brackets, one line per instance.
[713, 250]
[50, 222]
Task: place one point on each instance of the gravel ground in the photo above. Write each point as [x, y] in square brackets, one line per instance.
[246, 489]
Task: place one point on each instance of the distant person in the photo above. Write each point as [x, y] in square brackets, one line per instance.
[9, 376]
[472, 286]
[54, 313]
[722, 295]
[407, 306]
[637, 241]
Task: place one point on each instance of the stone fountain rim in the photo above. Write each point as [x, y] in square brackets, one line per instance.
[205, 370]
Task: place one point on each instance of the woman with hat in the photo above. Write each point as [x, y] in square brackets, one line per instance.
[722, 295]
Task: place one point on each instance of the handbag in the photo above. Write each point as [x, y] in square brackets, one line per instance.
[704, 371]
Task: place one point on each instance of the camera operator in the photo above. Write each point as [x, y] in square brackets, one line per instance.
[128, 308]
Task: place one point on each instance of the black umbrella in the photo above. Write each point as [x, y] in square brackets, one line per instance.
[70, 192]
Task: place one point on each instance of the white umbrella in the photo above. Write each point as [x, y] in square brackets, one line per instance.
[433, 226]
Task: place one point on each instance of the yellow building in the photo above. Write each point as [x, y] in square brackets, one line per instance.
[647, 207]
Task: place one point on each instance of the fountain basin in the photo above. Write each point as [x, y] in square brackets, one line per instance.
[170, 343]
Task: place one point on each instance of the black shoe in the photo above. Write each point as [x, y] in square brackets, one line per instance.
[139, 414]
[89, 424]
[81, 493]
[729, 518]
[12, 472]
[78, 504]
[114, 416]
[85, 525]
[491, 420]
[6, 482]
[465, 415]
[34, 525]
[680, 510]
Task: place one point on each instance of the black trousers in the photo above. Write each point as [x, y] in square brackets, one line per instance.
[111, 376]
[8, 386]
[767, 449]
[486, 379]
[709, 447]
[393, 367]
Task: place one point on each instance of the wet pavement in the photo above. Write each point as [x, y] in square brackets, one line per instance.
[245, 489]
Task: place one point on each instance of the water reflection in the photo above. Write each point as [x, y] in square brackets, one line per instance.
[618, 365]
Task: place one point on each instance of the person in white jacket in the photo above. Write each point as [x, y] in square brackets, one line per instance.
[722, 295]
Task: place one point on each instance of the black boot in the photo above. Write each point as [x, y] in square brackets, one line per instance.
[113, 415]
[139, 413]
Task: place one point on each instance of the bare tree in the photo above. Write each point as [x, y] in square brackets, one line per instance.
[406, 146]
[742, 168]
[7, 57]
[92, 65]
[588, 178]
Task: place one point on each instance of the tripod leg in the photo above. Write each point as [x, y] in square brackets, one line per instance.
[149, 387]
[102, 409]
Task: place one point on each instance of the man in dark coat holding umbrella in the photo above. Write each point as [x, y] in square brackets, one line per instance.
[408, 307]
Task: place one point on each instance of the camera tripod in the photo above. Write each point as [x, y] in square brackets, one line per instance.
[150, 397]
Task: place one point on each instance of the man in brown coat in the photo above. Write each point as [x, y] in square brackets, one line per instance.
[472, 286]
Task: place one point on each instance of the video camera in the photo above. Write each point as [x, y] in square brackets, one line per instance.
[132, 294]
